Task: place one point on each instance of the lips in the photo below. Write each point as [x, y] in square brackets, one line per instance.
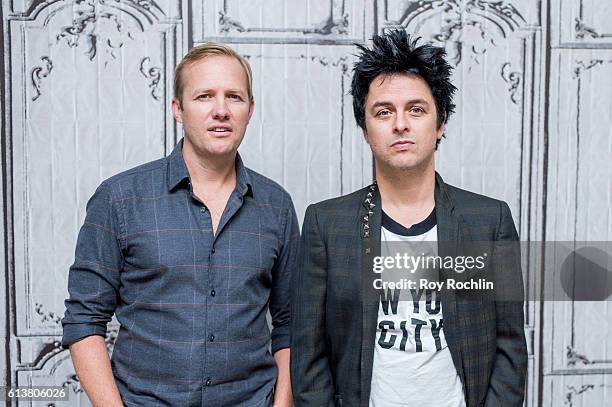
[401, 145]
[220, 129]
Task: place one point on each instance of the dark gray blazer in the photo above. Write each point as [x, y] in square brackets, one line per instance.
[335, 306]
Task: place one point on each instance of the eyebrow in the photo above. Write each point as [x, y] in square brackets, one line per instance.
[384, 103]
[208, 90]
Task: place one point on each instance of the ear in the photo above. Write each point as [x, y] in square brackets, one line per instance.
[177, 112]
[440, 131]
[365, 135]
[251, 108]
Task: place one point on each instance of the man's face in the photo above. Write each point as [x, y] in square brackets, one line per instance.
[401, 122]
[216, 108]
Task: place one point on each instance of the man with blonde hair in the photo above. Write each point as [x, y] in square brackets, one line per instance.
[189, 252]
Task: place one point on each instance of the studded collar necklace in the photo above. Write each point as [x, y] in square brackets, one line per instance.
[369, 205]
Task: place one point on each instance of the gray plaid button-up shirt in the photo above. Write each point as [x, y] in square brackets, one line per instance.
[192, 306]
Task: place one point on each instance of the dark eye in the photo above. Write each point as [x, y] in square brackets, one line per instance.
[383, 113]
[235, 97]
[417, 109]
[203, 96]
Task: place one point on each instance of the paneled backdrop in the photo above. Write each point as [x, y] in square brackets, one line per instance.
[86, 90]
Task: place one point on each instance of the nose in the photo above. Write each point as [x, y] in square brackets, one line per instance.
[220, 109]
[401, 124]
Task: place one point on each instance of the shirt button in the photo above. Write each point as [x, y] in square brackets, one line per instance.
[213, 250]
[208, 381]
[203, 209]
[211, 337]
[212, 293]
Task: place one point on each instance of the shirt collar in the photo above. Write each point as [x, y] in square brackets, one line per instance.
[178, 174]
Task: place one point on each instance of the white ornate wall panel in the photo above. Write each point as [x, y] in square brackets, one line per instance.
[280, 21]
[302, 133]
[87, 86]
[581, 24]
[85, 95]
[578, 333]
[495, 47]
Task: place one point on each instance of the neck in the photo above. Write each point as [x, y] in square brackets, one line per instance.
[209, 170]
[406, 188]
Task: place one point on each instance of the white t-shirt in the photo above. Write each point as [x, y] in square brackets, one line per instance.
[412, 363]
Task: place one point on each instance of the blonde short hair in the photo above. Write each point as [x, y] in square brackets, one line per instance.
[205, 50]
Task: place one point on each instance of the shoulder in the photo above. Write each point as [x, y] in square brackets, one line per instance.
[338, 211]
[144, 180]
[477, 208]
[342, 203]
[468, 200]
[268, 192]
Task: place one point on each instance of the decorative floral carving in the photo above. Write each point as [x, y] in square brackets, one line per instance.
[582, 30]
[513, 79]
[153, 74]
[38, 73]
[581, 66]
[328, 26]
[572, 391]
[73, 383]
[460, 16]
[227, 23]
[111, 337]
[47, 316]
[85, 26]
[574, 357]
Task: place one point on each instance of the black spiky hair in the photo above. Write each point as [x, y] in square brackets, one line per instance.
[396, 52]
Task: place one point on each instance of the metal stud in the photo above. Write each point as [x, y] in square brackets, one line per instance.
[366, 226]
[370, 213]
[366, 234]
[372, 205]
[366, 218]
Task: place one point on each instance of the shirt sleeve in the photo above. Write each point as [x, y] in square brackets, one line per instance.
[280, 297]
[93, 280]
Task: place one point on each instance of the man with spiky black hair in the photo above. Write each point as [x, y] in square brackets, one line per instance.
[362, 336]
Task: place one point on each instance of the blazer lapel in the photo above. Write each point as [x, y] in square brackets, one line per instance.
[449, 234]
[370, 216]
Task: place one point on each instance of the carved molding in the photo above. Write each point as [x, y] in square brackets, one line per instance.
[52, 349]
[38, 73]
[228, 24]
[47, 316]
[582, 30]
[513, 78]
[581, 66]
[460, 15]
[574, 357]
[148, 9]
[153, 75]
[573, 391]
[330, 25]
[72, 383]
[48, 351]
[84, 28]
[342, 62]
